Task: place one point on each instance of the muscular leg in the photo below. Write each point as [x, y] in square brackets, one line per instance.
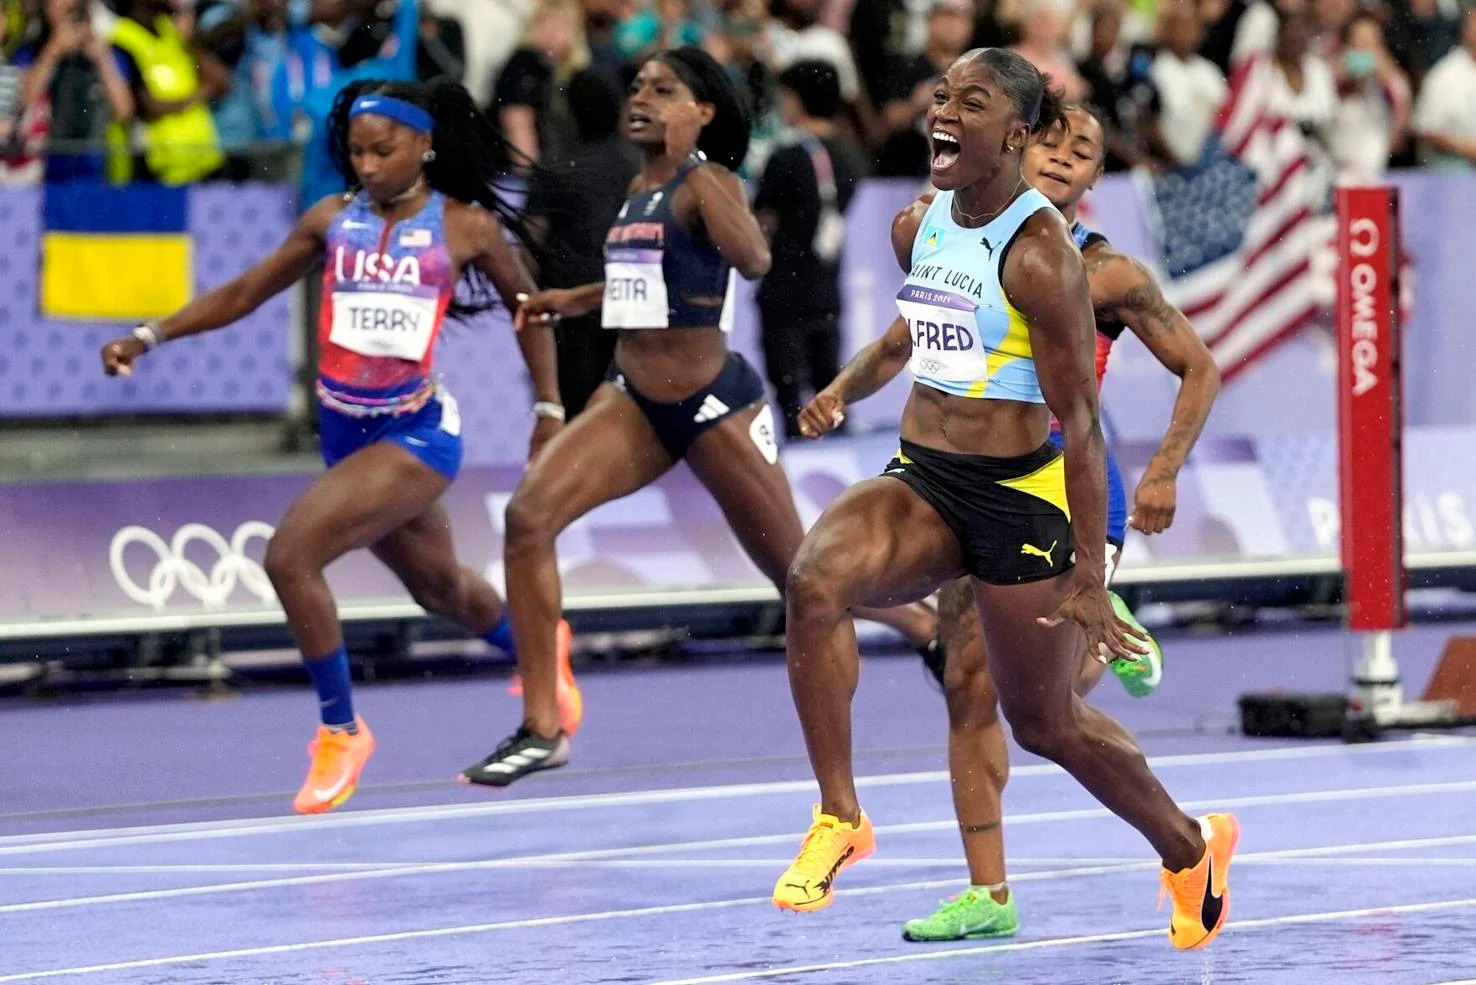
[1089, 676]
[753, 494]
[356, 503]
[422, 556]
[756, 498]
[878, 543]
[1033, 670]
[978, 759]
[607, 452]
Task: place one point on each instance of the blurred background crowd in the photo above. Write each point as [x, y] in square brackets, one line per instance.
[187, 90]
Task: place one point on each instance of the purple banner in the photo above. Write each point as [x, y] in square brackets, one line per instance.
[1439, 212]
[1276, 495]
[49, 368]
[193, 545]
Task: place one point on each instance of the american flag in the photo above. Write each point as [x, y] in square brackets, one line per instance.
[1244, 232]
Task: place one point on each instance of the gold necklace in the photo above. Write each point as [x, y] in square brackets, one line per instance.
[990, 216]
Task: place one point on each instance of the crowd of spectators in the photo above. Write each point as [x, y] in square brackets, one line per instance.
[187, 90]
[180, 91]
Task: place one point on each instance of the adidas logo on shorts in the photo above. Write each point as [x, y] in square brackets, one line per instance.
[712, 408]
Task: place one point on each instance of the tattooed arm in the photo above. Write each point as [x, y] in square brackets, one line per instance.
[1122, 288]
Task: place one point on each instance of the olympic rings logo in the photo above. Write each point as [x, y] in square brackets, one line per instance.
[932, 366]
[173, 570]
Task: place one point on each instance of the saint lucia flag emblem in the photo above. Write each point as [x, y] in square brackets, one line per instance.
[934, 238]
[114, 253]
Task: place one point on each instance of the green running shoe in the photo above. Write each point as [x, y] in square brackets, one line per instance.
[1140, 678]
[972, 913]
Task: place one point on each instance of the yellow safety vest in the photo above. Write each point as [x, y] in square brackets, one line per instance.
[178, 147]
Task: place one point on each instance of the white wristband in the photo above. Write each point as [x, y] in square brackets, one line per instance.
[547, 408]
[148, 334]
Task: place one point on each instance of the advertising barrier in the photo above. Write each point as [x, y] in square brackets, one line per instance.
[135, 552]
[1262, 486]
[50, 369]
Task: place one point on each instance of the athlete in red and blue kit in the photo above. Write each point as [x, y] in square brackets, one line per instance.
[422, 221]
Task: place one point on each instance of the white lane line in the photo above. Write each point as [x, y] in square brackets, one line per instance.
[186, 869]
[436, 868]
[62, 840]
[1398, 860]
[891, 861]
[1237, 926]
[531, 863]
[1390, 845]
[434, 932]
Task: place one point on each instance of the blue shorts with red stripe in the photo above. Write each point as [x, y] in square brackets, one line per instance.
[431, 433]
[1117, 506]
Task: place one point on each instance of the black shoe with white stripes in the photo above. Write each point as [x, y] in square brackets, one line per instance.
[519, 754]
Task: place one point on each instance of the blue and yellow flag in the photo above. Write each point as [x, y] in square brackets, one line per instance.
[115, 253]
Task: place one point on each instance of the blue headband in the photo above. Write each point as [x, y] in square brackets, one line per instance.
[398, 110]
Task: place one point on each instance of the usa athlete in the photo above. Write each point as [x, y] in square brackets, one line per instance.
[423, 218]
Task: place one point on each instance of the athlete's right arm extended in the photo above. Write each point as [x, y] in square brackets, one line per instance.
[555, 303]
[876, 364]
[239, 297]
[869, 370]
[234, 300]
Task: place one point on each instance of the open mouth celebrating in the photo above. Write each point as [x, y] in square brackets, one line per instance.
[945, 150]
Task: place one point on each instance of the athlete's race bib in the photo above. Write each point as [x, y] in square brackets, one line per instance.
[635, 290]
[945, 334]
[383, 324]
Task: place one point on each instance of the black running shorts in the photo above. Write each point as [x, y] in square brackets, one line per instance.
[736, 388]
[1009, 514]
